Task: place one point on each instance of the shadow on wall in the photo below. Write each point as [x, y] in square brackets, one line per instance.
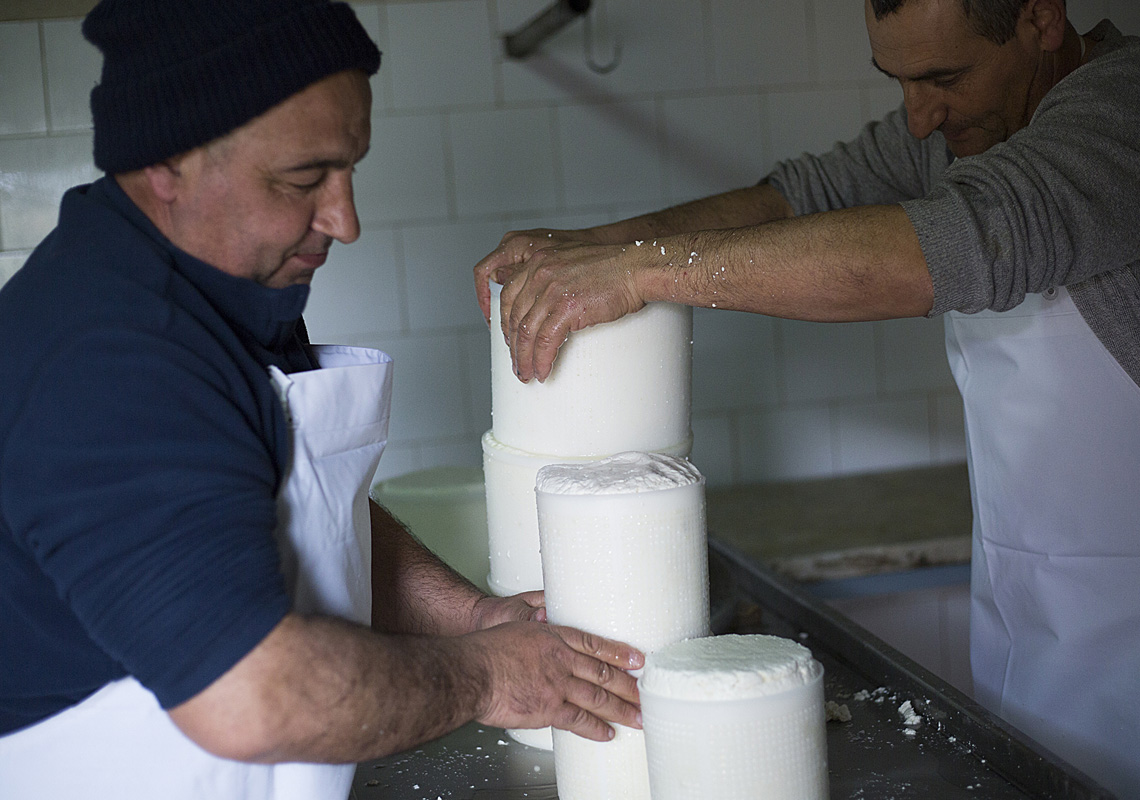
[688, 152]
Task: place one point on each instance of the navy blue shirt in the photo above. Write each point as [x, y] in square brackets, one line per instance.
[141, 448]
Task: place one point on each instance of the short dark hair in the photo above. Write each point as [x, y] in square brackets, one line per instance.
[994, 19]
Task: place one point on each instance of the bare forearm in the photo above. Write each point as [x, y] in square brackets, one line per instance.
[413, 591]
[738, 208]
[320, 689]
[857, 264]
[753, 205]
[324, 690]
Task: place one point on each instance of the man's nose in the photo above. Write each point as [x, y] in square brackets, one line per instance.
[336, 215]
[924, 114]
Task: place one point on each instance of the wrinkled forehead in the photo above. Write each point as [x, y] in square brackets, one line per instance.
[932, 16]
[920, 35]
[880, 9]
[995, 20]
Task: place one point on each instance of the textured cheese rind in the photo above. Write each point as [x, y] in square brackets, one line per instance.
[624, 473]
[728, 667]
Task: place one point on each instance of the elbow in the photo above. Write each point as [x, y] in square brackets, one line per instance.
[248, 713]
[248, 737]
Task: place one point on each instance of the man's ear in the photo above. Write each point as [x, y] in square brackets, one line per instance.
[1048, 21]
[166, 179]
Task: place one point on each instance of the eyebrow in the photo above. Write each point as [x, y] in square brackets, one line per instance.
[326, 163]
[929, 75]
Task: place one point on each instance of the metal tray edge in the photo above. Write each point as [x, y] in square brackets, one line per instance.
[1008, 751]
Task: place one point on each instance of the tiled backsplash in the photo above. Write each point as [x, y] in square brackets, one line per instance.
[706, 96]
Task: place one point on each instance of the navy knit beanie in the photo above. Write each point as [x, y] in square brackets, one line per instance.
[180, 73]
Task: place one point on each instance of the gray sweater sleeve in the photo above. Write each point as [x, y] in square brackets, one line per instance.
[883, 164]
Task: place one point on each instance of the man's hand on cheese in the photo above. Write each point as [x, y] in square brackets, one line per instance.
[515, 248]
[554, 290]
[552, 675]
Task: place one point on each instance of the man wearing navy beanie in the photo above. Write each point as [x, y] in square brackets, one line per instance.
[197, 597]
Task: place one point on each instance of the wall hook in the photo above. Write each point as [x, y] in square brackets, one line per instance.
[524, 41]
[588, 43]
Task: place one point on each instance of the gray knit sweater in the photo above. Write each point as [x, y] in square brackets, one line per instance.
[1058, 204]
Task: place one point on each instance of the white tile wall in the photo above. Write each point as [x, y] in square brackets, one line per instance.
[73, 66]
[1125, 14]
[504, 161]
[440, 54]
[725, 375]
[655, 50]
[1087, 13]
[903, 356]
[841, 41]
[475, 356]
[34, 174]
[560, 221]
[557, 71]
[430, 397]
[468, 144]
[879, 435]
[404, 175]
[700, 161]
[21, 92]
[610, 153]
[9, 263]
[714, 448]
[359, 293]
[441, 291]
[812, 121]
[761, 42]
[786, 443]
[883, 95]
[827, 361]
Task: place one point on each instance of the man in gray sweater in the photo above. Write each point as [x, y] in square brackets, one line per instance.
[1005, 195]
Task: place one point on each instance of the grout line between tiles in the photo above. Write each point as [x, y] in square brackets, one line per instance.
[44, 74]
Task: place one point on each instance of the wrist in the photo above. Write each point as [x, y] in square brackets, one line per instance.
[621, 232]
[664, 270]
[478, 663]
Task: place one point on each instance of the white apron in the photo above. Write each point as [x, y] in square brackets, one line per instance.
[1053, 438]
[118, 744]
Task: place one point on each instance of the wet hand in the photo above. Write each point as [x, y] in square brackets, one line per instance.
[514, 248]
[559, 290]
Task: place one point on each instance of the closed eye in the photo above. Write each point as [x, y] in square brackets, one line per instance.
[308, 186]
[941, 78]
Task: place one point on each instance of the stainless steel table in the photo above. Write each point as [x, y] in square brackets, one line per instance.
[957, 751]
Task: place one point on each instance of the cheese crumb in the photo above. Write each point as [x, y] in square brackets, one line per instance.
[910, 718]
[834, 712]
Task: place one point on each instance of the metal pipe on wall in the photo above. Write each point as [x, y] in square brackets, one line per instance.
[524, 41]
